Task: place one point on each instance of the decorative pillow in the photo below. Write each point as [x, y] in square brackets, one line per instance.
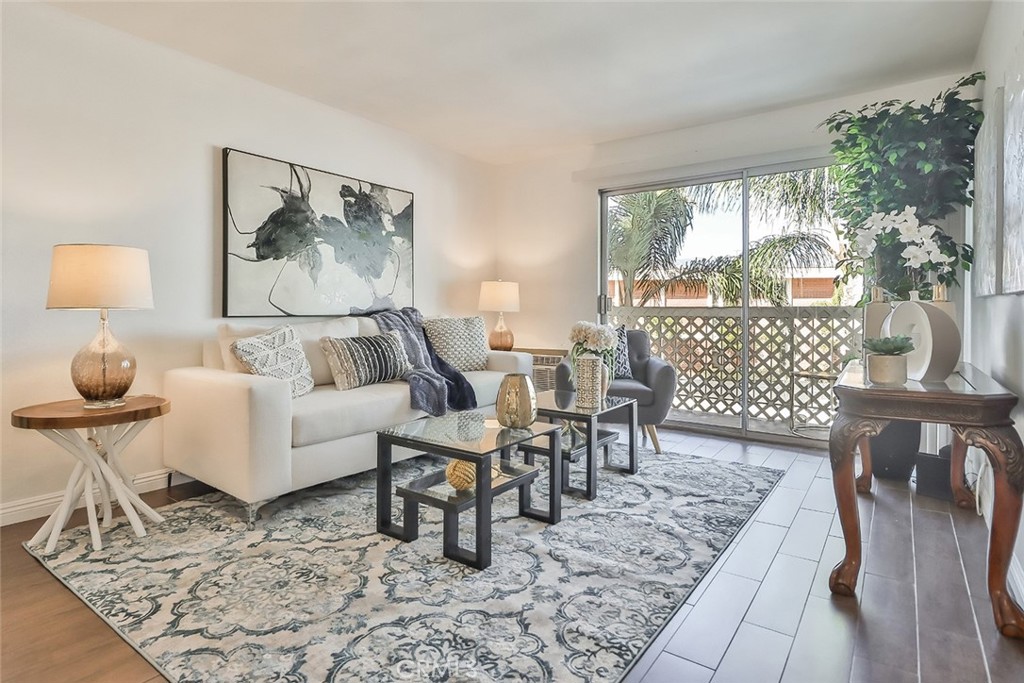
[622, 369]
[357, 361]
[309, 335]
[460, 341]
[276, 353]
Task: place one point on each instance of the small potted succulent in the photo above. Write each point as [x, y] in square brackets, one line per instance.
[887, 360]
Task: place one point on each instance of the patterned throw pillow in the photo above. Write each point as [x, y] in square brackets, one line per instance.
[358, 361]
[276, 353]
[622, 369]
[460, 341]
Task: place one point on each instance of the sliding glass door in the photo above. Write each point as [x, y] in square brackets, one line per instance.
[732, 277]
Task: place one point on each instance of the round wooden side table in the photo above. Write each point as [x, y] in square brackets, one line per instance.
[98, 452]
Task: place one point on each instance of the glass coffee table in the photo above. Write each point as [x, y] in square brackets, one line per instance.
[561, 405]
[472, 437]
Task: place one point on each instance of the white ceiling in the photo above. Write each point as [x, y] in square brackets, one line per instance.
[502, 82]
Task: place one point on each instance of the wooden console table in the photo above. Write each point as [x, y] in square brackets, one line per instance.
[977, 409]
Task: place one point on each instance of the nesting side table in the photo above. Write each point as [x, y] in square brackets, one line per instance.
[98, 451]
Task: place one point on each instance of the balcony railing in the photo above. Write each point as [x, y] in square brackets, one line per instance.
[794, 353]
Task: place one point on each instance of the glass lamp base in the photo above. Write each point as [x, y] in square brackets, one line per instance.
[103, 370]
[100, 405]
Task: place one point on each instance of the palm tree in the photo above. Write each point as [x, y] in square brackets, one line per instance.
[771, 259]
[646, 231]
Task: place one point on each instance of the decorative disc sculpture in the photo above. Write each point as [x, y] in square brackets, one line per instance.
[935, 336]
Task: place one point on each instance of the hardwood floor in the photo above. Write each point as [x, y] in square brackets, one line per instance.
[763, 614]
[46, 633]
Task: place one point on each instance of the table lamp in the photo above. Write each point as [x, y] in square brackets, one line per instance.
[101, 277]
[502, 297]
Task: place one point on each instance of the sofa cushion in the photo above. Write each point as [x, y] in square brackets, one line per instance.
[485, 385]
[462, 342]
[622, 369]
[276, 353]
[631, 388]
[308, 333]
[326, 414]
[358, 361]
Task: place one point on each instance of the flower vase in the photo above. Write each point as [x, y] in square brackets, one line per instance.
[588, 381]
[605, 380]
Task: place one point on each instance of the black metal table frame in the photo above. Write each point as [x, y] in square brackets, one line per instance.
[408, 530]
[589, 492]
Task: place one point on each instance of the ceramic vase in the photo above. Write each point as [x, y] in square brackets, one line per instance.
[517, 401]
[588, 381]
[889, 370]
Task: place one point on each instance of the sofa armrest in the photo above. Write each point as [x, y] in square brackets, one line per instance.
[230, 430]
[661, 378]
[510, 362]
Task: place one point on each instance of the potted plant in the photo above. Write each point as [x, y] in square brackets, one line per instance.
[900, 168]
[887, 360]
[894, 451]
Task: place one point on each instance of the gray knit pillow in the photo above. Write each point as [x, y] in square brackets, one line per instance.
[358, 361]
[460, 341]
[276, 353]
[622, 368]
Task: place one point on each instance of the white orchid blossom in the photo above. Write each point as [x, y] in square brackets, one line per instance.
[922, 249]
[916, 256]
[914, 232]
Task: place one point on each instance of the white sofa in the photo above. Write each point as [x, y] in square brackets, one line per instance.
[245, 435]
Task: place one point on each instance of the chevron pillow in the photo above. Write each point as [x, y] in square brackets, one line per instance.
[276, 353]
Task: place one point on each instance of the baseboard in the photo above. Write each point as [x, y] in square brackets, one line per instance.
[42, 506]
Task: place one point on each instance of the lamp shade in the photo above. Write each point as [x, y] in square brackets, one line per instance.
[96, 276]
[497, 295]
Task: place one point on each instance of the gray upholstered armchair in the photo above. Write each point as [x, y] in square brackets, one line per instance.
[653, 384]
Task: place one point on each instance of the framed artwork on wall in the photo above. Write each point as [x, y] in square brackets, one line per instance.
[1013, 175]
[303, 242]
[987, 270]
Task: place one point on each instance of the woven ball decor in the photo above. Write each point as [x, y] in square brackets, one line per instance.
[461, 475]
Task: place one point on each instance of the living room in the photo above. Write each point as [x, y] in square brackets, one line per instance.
[119, 114]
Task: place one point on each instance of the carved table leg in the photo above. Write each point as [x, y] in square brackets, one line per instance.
[864, 480]
[846, 431]
[962, 496]
[1006, 453]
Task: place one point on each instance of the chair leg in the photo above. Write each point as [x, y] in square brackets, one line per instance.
[653, 431]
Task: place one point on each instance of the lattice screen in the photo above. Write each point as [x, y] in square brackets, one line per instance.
[704, 344]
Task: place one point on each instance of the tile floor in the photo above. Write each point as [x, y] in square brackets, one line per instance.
[764, 613]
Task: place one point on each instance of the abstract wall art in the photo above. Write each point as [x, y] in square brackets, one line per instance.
[1013, 175]
[986, 272]
[304, 242]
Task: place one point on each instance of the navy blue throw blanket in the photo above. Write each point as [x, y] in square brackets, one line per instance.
[434, 385]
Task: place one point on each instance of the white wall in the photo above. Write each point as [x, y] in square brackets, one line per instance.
[108, 138]
[549, 213]
[997, 322]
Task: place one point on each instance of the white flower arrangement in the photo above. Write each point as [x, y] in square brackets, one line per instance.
[591, 338]
[923, 249]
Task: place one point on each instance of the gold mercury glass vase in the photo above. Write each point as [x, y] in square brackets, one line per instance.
[517, 401]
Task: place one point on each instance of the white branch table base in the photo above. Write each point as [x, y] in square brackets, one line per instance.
[98, 454]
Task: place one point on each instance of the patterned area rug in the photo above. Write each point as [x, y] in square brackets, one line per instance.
[314, 593]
